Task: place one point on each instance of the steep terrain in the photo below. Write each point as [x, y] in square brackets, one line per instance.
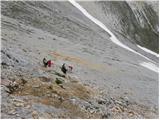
[137, 21]
[107, 80]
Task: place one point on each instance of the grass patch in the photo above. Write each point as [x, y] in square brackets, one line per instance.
[58, 81]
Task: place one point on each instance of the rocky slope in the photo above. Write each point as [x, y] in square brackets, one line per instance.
[137, 21]
[107, 80]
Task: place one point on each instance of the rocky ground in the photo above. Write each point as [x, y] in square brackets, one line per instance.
[106, 82]
[50, 94]
[137, 21]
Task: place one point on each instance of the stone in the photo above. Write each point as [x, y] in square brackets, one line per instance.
[46, 116]
[48, 95]
[4, 64]
[101, 101]
[17, 100]
[35, 114]
[118, 102]
[60, 98]
[45, 79]
[92, 110]
[12, 112]
[58, 81]
[28, 106]
[116, 109]
[105, 116]
[17, 115]
[23, 81]
[131, 113]
[73, 101]
[18, 103]
[35, 86]
[54, 95]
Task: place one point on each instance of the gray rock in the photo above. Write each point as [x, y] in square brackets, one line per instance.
[12, 112]
[35, 86]
[35, 114]
[101, 101]
[106, 116]
[18, 103]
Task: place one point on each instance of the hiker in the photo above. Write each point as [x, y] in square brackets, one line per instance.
[63, 68]
[47, 63]
[66, 68]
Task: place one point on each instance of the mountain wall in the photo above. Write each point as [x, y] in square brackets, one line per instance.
[137, 21]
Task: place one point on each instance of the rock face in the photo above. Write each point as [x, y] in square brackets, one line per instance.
[107, 81]
[40, 15]
[136, 20]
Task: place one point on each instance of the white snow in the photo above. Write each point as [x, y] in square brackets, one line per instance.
[113, 37]
[150, 66]
[116, 41]
[147, 50]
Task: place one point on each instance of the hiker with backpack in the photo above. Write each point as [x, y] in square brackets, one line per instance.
[66, 69]
[47, 63]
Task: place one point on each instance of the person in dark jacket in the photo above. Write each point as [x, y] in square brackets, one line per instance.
[63, 68]
[45, 62]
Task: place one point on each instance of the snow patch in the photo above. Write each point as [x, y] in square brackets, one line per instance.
[150, 66]
[116, 41]
[147, 50]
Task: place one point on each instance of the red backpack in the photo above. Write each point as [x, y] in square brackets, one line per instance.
[49, 63]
